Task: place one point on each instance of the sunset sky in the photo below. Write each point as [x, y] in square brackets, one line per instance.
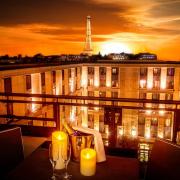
[50, 27]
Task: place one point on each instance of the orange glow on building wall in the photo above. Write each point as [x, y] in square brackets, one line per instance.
[142, 83]
[96, 76]
[150, 78]
[108, 77]
[163, 77]
[84, 81]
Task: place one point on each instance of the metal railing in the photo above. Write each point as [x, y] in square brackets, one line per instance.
[67, 100]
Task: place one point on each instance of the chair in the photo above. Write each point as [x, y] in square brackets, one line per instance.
[11, 150]
[164, 161]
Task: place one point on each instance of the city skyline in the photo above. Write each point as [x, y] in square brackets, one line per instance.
[30, 27]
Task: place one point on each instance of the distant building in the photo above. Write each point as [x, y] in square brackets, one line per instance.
[146, 56]
[119, 56]
[150, 80]
[73, 57]
[127, 56]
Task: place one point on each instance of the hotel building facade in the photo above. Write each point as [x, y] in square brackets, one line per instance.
[116, 86]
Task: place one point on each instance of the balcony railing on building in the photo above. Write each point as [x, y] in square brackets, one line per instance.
[123, 122]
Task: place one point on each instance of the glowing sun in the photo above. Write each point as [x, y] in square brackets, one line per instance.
[114, 47]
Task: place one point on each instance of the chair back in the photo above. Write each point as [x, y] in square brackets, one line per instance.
[164, 161]
[11, 149]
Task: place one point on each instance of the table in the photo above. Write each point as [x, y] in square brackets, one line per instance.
[37, 167]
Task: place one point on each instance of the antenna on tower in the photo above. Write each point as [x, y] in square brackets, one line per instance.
[88, 43]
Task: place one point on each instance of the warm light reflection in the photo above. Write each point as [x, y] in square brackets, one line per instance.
[142, 83]
[96, 76]
[96, 108]
[35, 89]
[150, 78]
[108, 84]
[148, 112]
[60, 135]
[84, 81]
[114, 47]
[163, 84]
[73, 114]
[96, 82]
[72, 80]
[96, 127]
[160, 135]
[168, 122]
[120, 131]
[163, 77]
[71, 84]
[133, 132]
[87, 155]
[108, 77]
[144, 152]
[148, 134]
[33, 107]
[161, 112]
[107, 130]
[82, 108]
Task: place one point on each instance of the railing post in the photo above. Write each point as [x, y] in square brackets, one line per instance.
[56, 114]
[176, 124]
[9, 109]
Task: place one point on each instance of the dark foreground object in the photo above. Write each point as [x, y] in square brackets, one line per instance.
[37, 166]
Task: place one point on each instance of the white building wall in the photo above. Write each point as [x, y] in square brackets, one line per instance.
[150, 78]
[19, 86]
[58, 82]
[163, 77]
[36, 89]
[96, 76]
[108, 77]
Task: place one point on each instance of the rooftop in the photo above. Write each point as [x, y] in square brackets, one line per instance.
[97, 62]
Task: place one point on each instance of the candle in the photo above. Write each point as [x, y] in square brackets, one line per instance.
[88, 162]
[59, 145]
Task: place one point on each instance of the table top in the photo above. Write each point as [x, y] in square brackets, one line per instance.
[37, 166]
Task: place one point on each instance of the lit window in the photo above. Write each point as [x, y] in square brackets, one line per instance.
[143, 72]
[90, 81]
[120, 131]
[167, 122]
[90, 70]
[142, 95]
[114, 70]
[148, 112]
[156, 71]
[114, 94]
[169, 96]
[156, 84]
[142, 83]
[161, 113]
[102, 94]
[155, 96]
[102, 71]
[133, 132]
